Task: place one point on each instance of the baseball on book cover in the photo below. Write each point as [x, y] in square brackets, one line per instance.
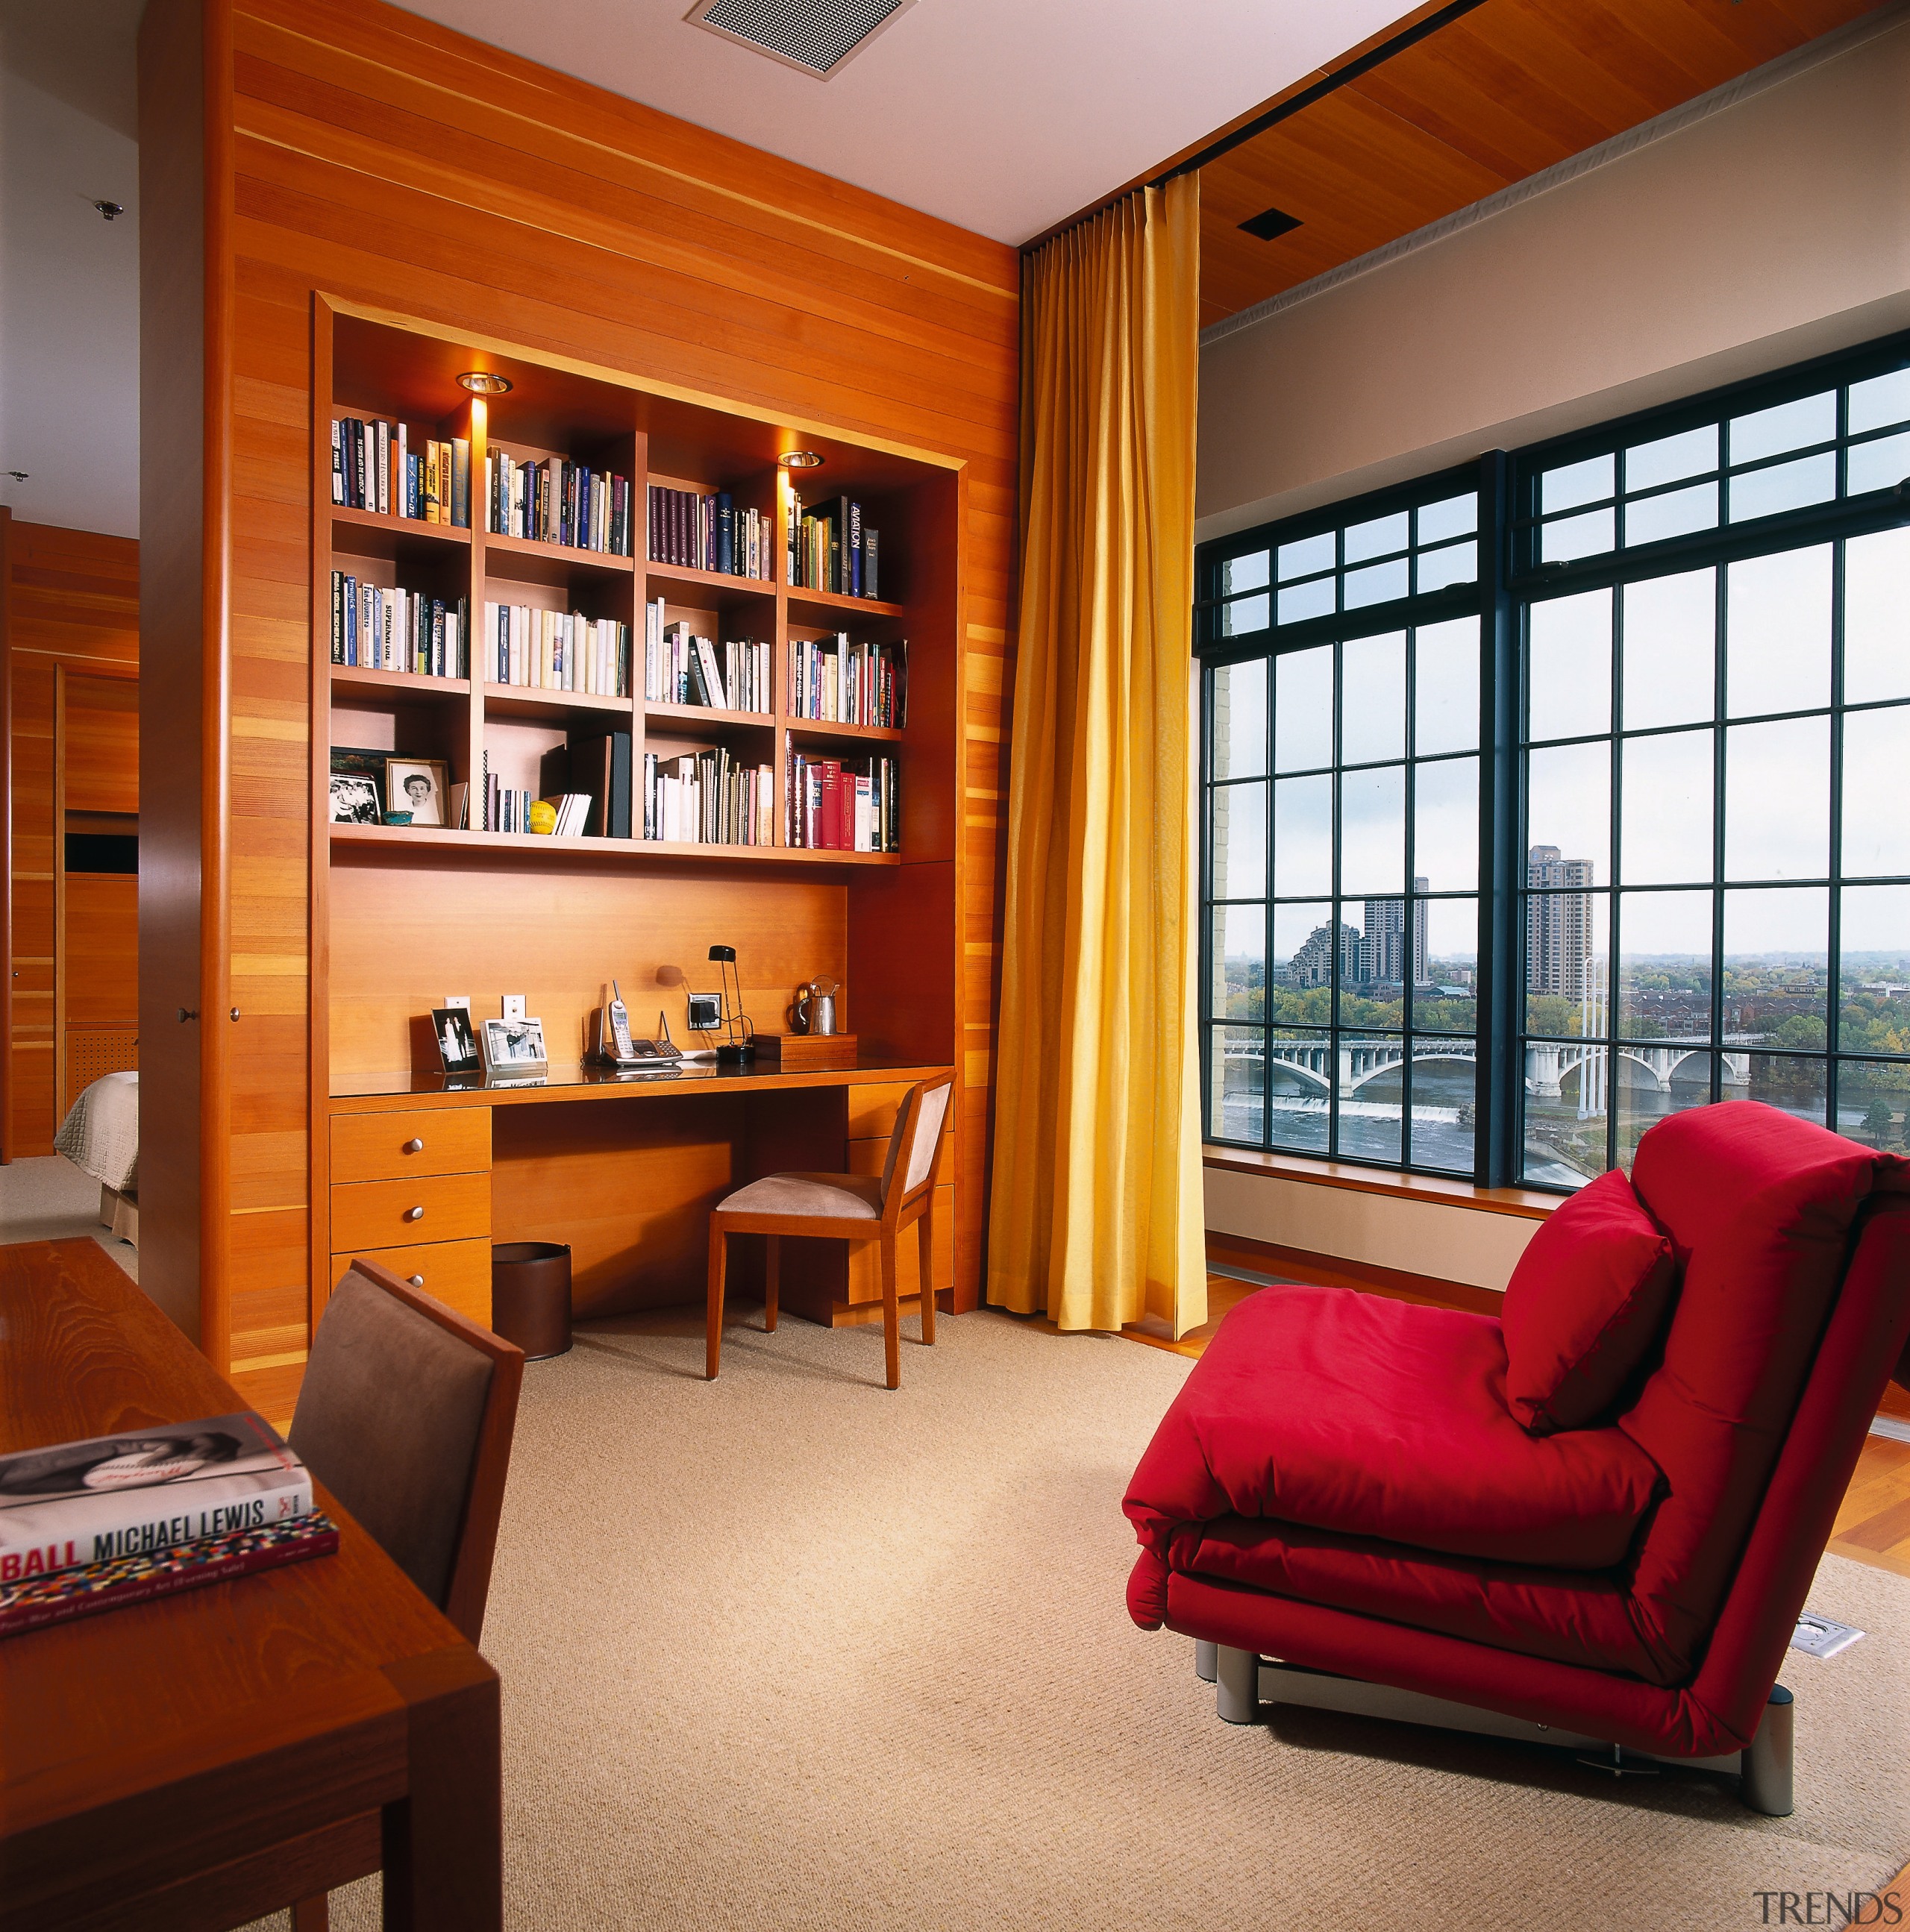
[110, 1496]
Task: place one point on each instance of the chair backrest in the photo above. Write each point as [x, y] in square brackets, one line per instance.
[1760, 1207]
[917, 1137]
[406, 1414]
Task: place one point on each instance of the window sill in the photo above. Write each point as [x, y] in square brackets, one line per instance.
[1526, 1202]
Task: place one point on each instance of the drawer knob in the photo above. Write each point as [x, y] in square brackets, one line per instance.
[414, 1146]
[414, 1214]
[417, 1281]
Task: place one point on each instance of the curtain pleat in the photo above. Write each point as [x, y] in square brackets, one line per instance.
[1095, 1214]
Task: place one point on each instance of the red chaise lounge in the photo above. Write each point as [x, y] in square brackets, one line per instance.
[1590, 1521]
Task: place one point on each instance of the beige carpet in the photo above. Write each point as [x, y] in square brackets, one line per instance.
[790, 1651]
[47, 1199]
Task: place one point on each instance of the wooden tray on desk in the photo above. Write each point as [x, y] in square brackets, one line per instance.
[807, 1052]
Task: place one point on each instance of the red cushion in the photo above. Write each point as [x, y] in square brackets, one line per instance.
[1566, 1615]
[1372, 1417]
[1759, 1206]
[1585, 1303]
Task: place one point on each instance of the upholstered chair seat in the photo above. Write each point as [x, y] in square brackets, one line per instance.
[841, 1196]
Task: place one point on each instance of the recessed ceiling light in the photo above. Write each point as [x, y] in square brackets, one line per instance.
[800, 459]
[1271, 223]
[484, 382]
[818, 37]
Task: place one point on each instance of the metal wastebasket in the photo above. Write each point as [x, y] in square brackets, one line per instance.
[530, 1296]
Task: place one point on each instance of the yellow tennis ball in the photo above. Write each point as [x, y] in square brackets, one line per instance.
[543, 818]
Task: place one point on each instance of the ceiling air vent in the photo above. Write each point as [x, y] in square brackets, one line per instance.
[1271, 224]
[816, 37]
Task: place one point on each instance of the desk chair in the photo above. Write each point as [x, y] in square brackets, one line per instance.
[405, 1415]
[844, 1208]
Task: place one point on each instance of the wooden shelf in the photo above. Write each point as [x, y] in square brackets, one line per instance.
[708, 715]
[681, 574]
[398, 527]
[822, 727]
[530, 701]
[824, 607]
[356, 684]
[496, 546]
[427, 842]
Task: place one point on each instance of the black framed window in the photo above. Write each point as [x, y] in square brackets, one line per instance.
[1341, 881]
[1515, 842]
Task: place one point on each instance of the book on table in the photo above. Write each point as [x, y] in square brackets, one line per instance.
[84, 1509]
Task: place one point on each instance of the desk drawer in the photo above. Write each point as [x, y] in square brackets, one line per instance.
[392, 1146]
[456, 1272]
[386, 1213]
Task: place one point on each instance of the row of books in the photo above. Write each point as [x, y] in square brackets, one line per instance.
[849, 684]
[557, 501]
[844, 804]
[556, 650]
[373, 467]
[680, 668]
[117, 1519]
[695, 530]
[598, 768]
[708, 798]
[397, 630]
[830, 549]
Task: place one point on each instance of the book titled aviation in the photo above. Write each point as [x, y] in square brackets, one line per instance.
[144, 1491]
[29, 1602]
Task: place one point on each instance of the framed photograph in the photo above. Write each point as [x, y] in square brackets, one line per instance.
[354, 799]
[418, 786]
[457, 1044]
[513, 1046]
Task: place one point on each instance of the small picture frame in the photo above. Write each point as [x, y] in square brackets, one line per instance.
[457, 1044]
[419, 786]
[514, 1046]
[354, 799]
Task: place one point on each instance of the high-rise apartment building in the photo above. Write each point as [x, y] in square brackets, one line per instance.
[1382, 945]
[1560, 936]
[1312, 963]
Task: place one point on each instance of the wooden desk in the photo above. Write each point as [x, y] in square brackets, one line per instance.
[425, 1172]
[202, 1760]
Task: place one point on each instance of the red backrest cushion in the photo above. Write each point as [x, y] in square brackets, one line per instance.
[1759, 1206]
[1586, 1301]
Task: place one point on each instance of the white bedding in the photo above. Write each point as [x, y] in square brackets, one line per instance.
[100, 1136]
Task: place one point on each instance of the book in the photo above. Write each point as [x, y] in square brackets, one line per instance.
[555, 650]
[691, 530]
[30, 1603]
[708, 798]
[110, 1496]
[554, 500]
[374, 468]
[840, 805]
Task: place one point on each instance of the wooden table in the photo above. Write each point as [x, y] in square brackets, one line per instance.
[203, 1759]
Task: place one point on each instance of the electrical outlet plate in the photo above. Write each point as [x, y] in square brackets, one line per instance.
[1822, 1636]
[460, 1000]
[514, 1008]
[706, 1013]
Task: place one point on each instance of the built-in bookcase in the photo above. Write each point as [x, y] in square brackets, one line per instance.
[476, 905]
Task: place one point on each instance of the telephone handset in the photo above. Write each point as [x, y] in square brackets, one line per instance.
[612, 1044]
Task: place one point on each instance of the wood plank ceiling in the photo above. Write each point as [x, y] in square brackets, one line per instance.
[1492, 93]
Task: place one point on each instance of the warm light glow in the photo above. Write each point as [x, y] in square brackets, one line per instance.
[800, 459]
[484, 382]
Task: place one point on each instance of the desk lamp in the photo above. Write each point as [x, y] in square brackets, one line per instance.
[739, 1046]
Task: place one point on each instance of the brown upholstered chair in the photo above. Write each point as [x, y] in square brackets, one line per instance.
[844, 1208]
[406, 1414]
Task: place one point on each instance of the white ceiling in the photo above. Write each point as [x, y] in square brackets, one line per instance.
[1002, 116]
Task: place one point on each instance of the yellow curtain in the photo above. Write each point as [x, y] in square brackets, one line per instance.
[1095, 1212]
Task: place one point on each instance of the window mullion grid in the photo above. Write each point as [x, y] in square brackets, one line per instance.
[1499, 1090]
[1614, 909]
[1720, 741]
[1333, 912]
[1409, 904]
[1834, 937]
[1270, 885]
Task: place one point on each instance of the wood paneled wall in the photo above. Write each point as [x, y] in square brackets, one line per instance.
[389, 162]
[71, 601]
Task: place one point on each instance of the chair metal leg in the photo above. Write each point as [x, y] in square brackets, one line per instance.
[891, 1313]
[1766, 1785]
[1237, 1684]
[1205, 1665]
[718, 1260]
[772, 1263]
[925, 1278]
